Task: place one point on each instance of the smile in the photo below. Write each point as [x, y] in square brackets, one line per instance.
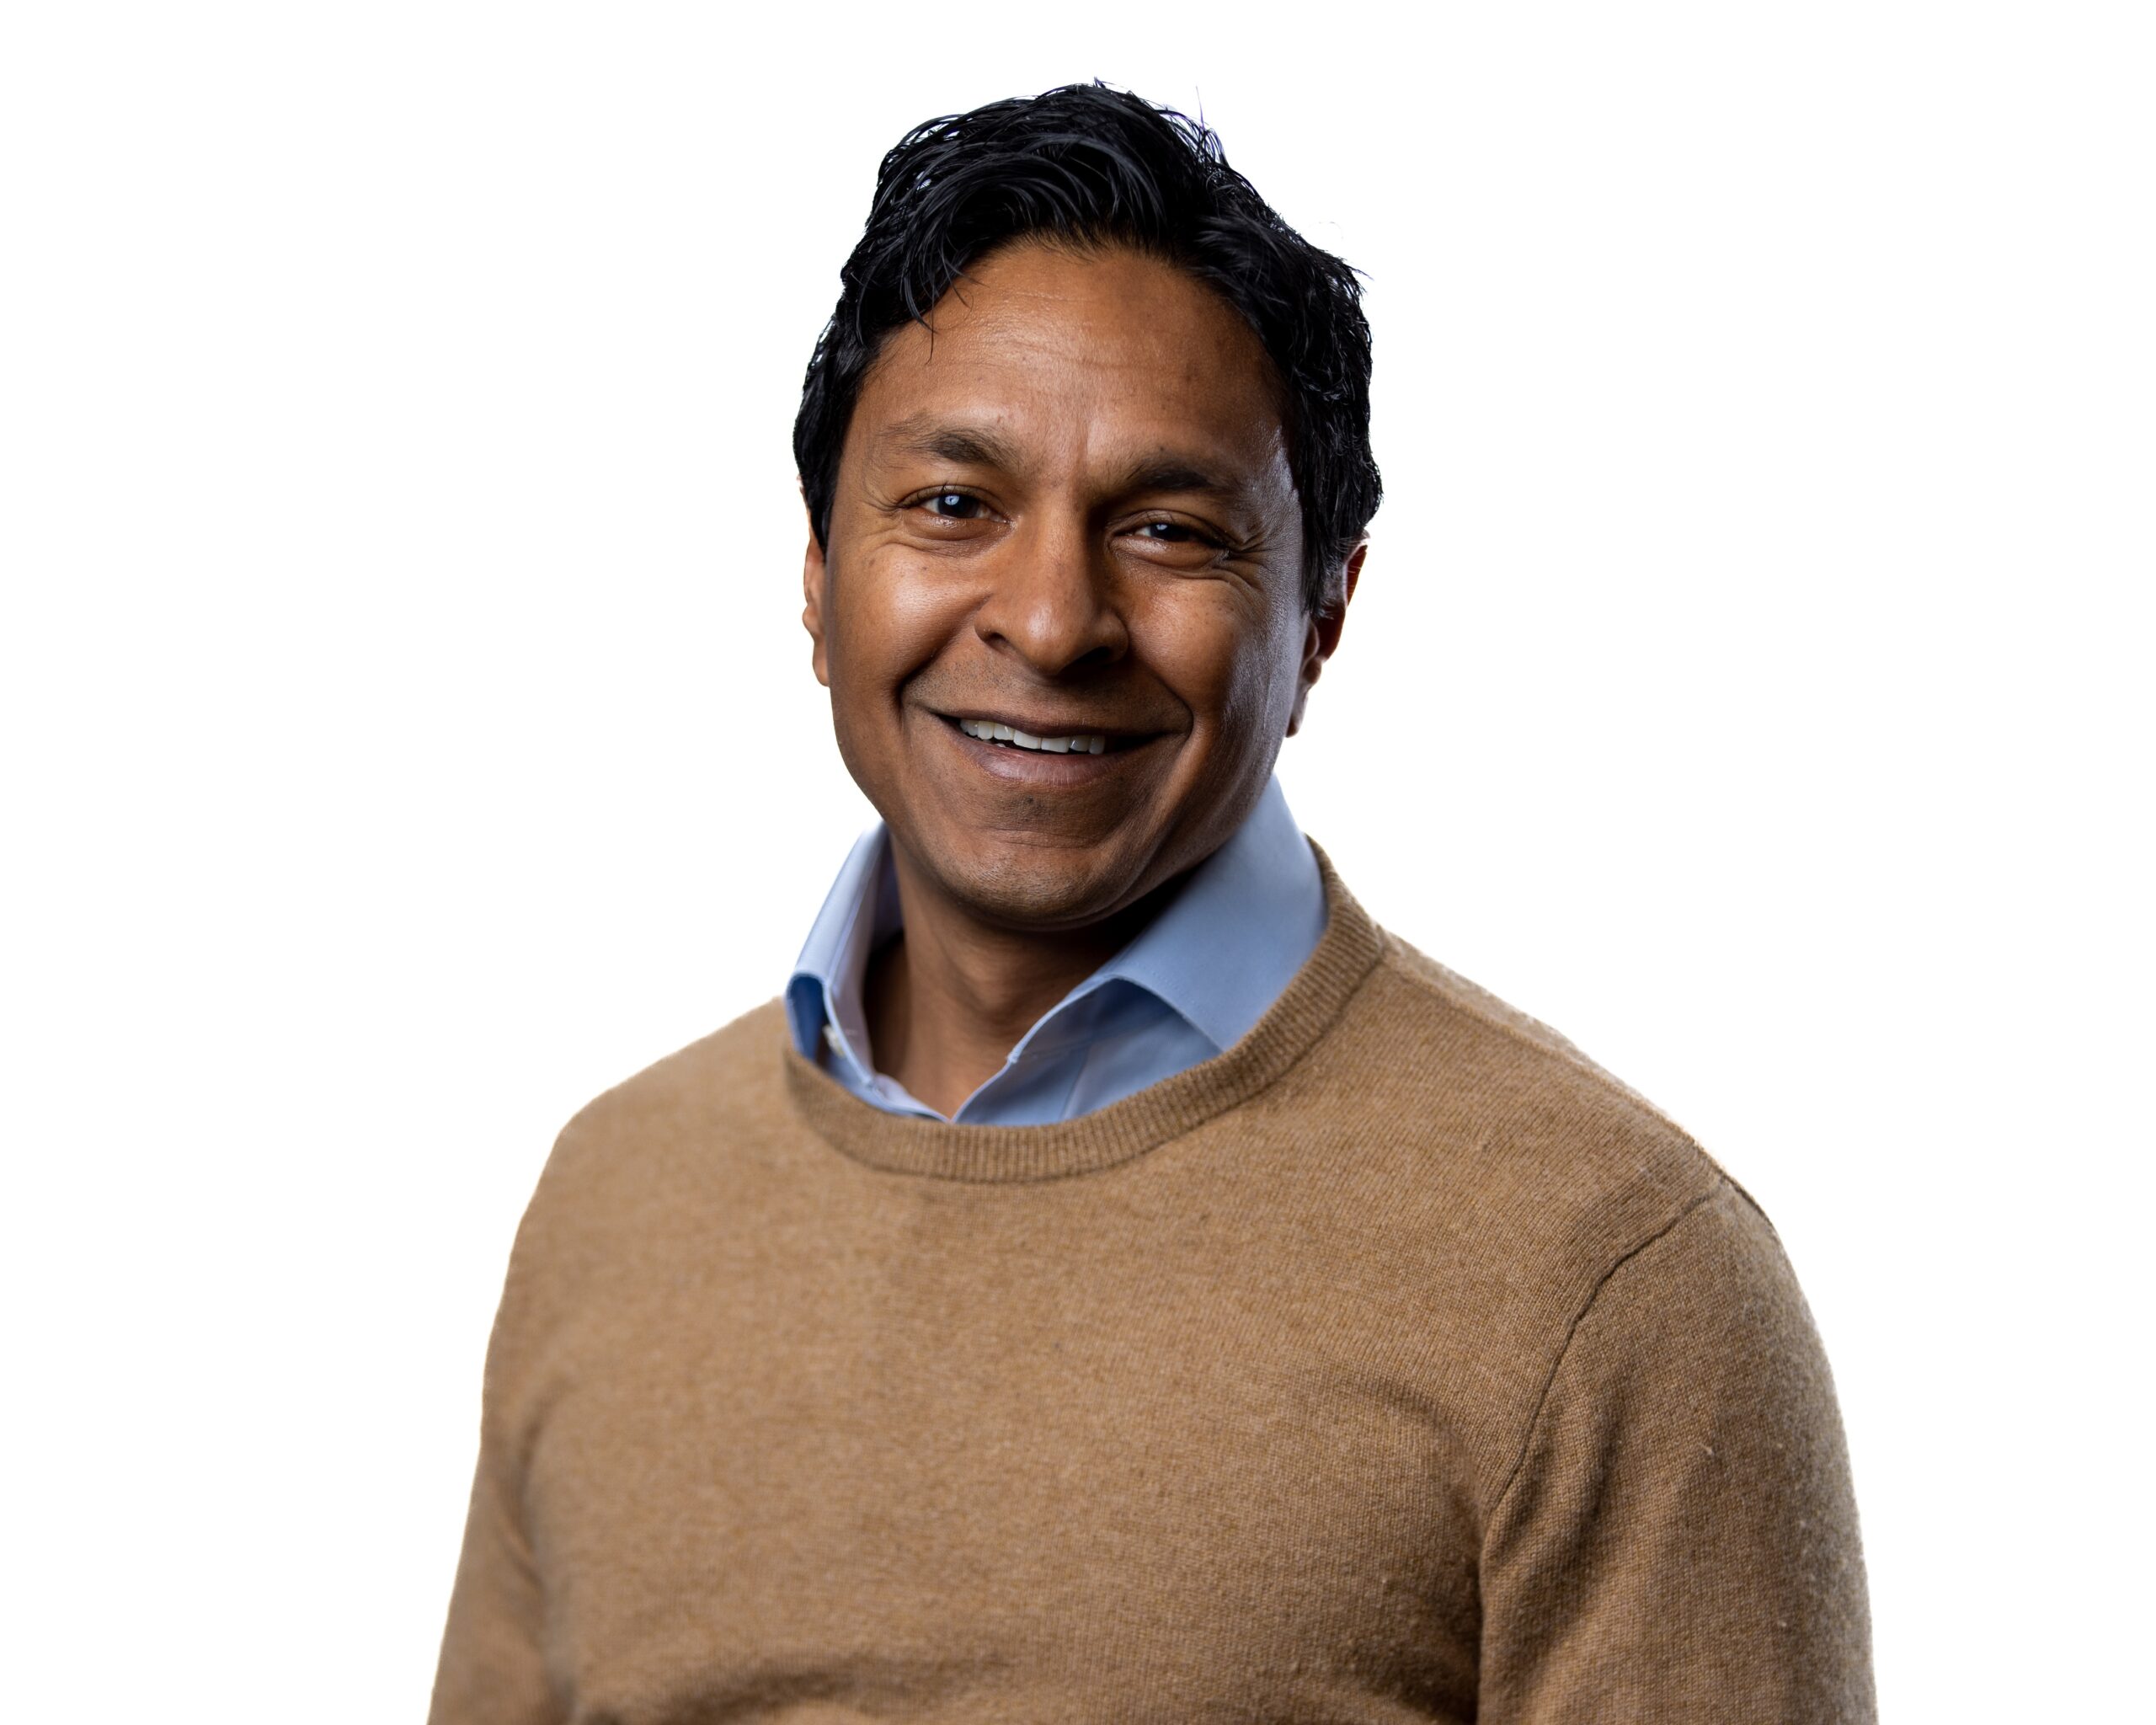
[992, 731]
[1042, 754]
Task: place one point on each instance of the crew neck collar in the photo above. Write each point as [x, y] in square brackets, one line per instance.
[1345, 954]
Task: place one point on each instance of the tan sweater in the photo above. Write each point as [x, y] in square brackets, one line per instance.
[1398, 1364]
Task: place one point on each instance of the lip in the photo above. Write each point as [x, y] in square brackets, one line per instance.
[1119, 736]
[1039, 767]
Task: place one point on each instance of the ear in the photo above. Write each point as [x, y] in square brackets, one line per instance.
[814, 580]
[1322, 633]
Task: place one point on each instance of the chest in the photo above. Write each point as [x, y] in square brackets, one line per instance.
[976, 1461]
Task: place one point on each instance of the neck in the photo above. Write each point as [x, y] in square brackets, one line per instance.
[949, 997]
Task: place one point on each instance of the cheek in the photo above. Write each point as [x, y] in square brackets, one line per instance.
[1232, 663]
[889, 618]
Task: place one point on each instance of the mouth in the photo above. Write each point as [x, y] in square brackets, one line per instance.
[1016, 745]
[992, 730]
[1041, 737]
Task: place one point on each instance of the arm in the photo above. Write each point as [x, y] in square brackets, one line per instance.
[493, 1666]
[1679, 1541]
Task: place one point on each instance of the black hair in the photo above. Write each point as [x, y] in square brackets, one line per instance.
[1086, 165]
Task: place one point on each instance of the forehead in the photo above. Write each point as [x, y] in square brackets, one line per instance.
[1071, 355]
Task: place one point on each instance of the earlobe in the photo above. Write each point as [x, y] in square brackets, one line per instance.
[1328, 624]
[1312, 667]
[1321, 635]
[1353, 571]
[812, 575]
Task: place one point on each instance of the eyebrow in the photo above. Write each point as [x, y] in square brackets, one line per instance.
[975, 445]
[978, 446]
[1173, 473]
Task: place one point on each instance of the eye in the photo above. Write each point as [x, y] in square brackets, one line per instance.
[953, 506]
[1174, 533]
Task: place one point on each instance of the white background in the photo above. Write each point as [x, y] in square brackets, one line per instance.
[409, 731]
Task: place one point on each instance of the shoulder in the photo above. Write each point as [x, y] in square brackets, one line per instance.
[1449, 995]
[673, 1137]
[1519, 1081]
[1537, 1169]
[727, 1076]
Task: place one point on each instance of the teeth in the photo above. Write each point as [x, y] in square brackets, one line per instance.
[1092, 743]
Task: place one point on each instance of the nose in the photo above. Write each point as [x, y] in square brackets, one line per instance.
[1052, 599]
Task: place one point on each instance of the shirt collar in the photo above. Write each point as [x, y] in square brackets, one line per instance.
[1219, 953]
[1224, 947]
[859, 913]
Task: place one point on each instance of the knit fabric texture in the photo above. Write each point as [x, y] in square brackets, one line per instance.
[1398, 1365]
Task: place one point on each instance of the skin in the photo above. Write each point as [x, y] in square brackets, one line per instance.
[1065, 504]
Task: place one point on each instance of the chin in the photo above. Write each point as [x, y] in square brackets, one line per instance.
[1035, 886]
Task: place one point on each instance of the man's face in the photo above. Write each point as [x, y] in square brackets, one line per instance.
[1068, 512]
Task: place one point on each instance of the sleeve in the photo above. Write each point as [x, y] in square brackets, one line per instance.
[493, 1669]
[1679, 1541]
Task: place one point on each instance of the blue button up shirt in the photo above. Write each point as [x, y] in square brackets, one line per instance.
[1188, 986]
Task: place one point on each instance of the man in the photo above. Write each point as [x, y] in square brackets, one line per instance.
[1118, 1281]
